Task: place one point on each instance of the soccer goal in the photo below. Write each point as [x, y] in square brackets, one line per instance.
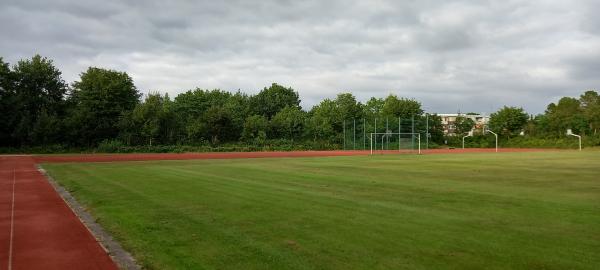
[386, 141]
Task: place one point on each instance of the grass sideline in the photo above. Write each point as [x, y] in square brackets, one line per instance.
[461, 211]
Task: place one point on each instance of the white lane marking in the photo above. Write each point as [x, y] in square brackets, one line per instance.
[12, 221]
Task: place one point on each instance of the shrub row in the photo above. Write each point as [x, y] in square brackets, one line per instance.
[116, 146]
[524, 142]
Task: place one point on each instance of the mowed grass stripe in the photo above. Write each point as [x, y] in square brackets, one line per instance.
[297, 193]
[164, 212]
[385, 212]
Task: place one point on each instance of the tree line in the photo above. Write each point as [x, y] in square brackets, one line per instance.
[581, 115]
[39, 108]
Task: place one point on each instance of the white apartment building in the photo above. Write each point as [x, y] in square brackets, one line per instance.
[448, 120]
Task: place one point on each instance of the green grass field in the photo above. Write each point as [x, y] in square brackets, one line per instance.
[467, 211]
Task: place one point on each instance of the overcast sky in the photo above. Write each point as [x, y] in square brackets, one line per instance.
[450, 55]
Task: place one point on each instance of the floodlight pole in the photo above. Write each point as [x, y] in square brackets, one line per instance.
[570, 133]
[413, 131]
[375, 131]
[364, 127]
[387, 128]
[463, 139]
[427, 131]
[354, 134]
[375, 128]
[344, 128]
[399, 134]
[496, 138]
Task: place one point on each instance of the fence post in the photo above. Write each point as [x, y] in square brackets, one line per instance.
[344, 132]
[426, 131]
[399, 134]
[364, 135]
[387, 138]
[413, 132]
[375, 131]
[371, 143]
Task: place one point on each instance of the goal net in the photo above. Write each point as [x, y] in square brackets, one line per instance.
[394, 141]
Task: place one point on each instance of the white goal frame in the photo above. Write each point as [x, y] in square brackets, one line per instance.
[389, 134]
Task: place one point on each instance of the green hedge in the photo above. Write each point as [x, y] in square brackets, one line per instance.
[116, 146]
[563, 142]
[48, 149]
[524, 142]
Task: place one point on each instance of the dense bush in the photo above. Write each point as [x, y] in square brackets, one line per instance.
[48, 149]
[115, 146]
[562, 142]
[524, 142]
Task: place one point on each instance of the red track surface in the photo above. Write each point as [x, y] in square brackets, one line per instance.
[47, 235]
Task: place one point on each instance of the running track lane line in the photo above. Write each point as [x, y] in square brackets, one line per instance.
[12, 220]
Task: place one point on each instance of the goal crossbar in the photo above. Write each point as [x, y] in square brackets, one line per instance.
[390, 134]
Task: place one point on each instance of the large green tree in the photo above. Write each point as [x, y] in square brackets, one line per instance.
[101, 97]
[38, 101]
[239, 106]
[152, 121]
[328, 117]
[7, 104]
[436, 129]
[193, 105]
[321, 123]
[463, 125]
[401, 107]
[288, 123]
[373, 111]
[348, 107]
[255, 129]
[373, 108]
[273, 99]
[219, 126]
[590, 105]
[566, 114]
[532, 127]
[508, 121]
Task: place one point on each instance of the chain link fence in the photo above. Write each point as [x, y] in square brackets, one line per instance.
[357, 133]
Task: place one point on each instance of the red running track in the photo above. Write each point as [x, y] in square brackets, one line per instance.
[47, 235]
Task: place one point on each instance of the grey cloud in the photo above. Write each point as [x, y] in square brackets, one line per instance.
[451, 55]
[585, 66]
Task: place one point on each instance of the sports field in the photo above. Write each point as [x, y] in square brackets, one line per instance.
[462, 211]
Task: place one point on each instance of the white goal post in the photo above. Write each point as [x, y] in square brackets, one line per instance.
[374, 135]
